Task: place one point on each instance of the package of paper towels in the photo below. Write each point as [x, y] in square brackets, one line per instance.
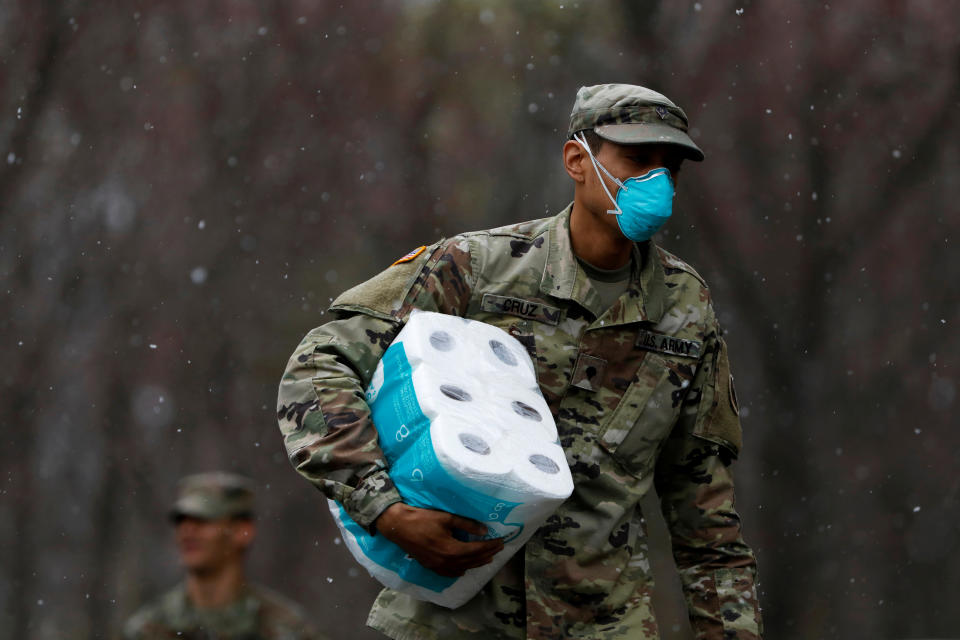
[465, 430]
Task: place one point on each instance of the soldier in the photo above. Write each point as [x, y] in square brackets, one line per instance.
[213, 516]
[629, 356]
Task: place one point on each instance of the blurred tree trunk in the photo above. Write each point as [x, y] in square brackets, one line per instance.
[46, 35]
[19, 413]
[109, 523]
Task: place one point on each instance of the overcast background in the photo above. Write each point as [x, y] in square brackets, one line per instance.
[185, 185]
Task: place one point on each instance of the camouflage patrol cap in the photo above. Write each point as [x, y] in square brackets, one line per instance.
[631, 114]
[214, 495]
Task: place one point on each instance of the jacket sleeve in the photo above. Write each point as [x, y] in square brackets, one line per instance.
[717, 569]
[322, 412]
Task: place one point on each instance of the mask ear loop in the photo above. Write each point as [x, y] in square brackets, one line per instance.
[597, 167]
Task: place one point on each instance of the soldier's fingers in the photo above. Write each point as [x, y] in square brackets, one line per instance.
[480, 561]
[455, 565]
[453, 569]
[451, 566]
[481, 547]
[472, 562]
[470, 550]
[448, 571]
[465, 524]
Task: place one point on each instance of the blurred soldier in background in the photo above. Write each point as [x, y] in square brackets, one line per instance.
[213, 516]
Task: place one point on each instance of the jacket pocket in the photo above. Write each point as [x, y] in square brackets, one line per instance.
[646, 413]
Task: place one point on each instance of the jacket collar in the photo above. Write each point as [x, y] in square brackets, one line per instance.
[564, 278]
[234, 619]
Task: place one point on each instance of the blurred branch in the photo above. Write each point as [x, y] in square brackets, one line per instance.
[52, 34]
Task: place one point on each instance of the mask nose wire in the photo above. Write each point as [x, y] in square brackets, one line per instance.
[655, 173]
[597, 167]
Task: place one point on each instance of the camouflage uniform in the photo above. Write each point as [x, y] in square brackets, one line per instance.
[259, 614]
[641, 393]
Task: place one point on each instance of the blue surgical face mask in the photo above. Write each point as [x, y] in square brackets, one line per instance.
[643, 203]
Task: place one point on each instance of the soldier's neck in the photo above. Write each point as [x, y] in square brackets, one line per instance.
[216, 588]
[602, 245]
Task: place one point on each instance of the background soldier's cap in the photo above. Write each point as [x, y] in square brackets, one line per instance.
[214, 495]
[630, 114]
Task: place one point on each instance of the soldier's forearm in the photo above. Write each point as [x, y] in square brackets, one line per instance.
[717, 568]
[326, 424]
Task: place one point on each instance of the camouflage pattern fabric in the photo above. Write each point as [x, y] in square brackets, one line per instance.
[213, 495]
[630, 114]
[623, 104]
[259, 614]
[639, 396]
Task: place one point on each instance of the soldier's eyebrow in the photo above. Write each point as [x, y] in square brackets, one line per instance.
[642, 157]
[635, 154]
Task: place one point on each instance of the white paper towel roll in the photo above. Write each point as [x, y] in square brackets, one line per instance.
[458, 341]
[540, 468]
[470, 451]
[518, 410]
[442, 392]
[502, 353]
[436, 342]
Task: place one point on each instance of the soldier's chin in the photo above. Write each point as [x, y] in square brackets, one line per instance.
[196, 562]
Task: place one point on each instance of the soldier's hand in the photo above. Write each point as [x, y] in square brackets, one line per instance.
[428, 536]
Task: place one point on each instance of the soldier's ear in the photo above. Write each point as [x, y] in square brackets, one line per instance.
[244, 531]
[575, 161]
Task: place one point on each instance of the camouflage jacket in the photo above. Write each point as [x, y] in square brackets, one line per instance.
[641, 393]
[259, 614]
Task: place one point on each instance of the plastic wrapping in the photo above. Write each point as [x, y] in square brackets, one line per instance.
[464, 429]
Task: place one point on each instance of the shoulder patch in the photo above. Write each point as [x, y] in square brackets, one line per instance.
[720, 419]
[410, 256]
[381, 295]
